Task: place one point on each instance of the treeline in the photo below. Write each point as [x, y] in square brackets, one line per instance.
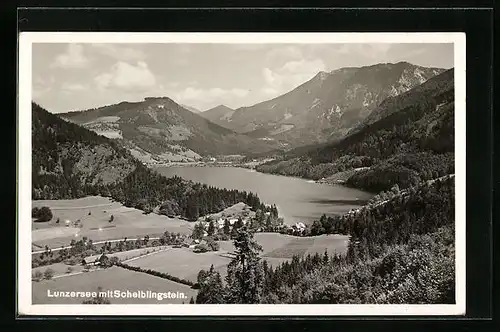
[146, 190]
[71, 162]
[401, 251]
[156, 274]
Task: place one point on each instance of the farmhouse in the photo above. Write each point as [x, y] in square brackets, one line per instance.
[91, 260]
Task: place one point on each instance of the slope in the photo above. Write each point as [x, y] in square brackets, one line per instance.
[409, 139]
[70, 161]
[327, 106]
[162, 128]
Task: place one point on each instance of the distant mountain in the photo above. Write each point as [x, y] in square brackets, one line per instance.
[406, 139]
[325, 107]
[70, 161]
[191, 108]
[219, 114]
[160, 129]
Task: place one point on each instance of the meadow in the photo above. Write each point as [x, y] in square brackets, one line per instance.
[277, 248]
[90, 217]
[181, 262]
[114, 278]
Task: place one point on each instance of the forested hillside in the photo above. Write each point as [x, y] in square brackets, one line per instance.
[412, 141]
[160, 129]
[70, 162]
[401, 251]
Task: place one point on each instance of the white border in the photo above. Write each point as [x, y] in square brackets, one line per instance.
[24, 299]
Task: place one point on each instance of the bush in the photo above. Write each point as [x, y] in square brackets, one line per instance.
[42, 214]
[37, 276]
[201, 248]
[213, 245]
[69, 270]
[48, 274]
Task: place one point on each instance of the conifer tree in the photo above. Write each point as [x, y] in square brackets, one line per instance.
[245, 276]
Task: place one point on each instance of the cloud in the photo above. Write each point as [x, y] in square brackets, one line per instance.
[248, 47]
[119, 52]
[290, 75]
[41, 86]
[283, 53]
[371, 51]
[73, 57]
[73, 87]
[124, 76]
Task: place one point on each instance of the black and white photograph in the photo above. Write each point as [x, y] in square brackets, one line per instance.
[272, 173]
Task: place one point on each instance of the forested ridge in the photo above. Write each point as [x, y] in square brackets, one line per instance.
[401, 251]
[71, 162]
[410, 139]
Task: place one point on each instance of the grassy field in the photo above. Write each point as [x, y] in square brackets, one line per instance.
[114, 278]
[285, 246]
[277, 248]
[61, 269]
[94, 213]
[181, 262]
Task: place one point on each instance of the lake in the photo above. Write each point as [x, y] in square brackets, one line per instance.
[296, 199]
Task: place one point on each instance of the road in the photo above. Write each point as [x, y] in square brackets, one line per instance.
[98, 242]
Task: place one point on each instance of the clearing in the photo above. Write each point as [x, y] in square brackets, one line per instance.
[89, 216]
[277, 248]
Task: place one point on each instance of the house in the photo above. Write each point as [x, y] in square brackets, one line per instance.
[300, 225]
[233, 220]
[91, 260]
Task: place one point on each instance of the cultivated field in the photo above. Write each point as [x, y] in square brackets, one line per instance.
[114, 278]
[277, 248]
[127, 222]
[181, 262]
[61, 269]
[285, 246]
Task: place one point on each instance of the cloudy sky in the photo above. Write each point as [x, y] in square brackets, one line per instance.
[80, 76]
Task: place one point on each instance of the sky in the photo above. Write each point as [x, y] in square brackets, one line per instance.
[68, 77]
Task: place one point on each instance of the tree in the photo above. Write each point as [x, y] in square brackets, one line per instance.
[38, 275]
[213, 245]
[227, 227]
[236, 226]
[114, 260]
[198, 231]
[211, 288]
[43, 214]
[104, 261]
[245, 276]
[191, 300]
[211, 228]
[201, 248]
[48, 274]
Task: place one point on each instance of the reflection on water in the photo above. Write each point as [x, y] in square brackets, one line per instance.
[296, 199]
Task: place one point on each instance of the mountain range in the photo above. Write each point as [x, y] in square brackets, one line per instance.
[159, 129]
[405, 140]
[321, 110]
[324, 108]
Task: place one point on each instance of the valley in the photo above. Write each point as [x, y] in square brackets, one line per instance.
[338, 191]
